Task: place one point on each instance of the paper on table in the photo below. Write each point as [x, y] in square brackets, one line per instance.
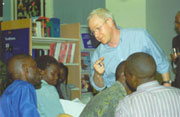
[73, 108]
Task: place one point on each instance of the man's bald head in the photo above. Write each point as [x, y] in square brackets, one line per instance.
[141, 65]
[15, 63]
[140, 68]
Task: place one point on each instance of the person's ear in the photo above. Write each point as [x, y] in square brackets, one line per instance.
[24, 71]
[42, 73]
[110, 22]
[135, 81]
[122, 78]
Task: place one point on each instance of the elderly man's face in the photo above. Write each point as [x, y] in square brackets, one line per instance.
[100, 29]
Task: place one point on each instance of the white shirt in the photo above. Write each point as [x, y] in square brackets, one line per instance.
[150, 100]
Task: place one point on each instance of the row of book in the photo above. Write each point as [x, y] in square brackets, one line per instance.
[63, 52]
[45, 27]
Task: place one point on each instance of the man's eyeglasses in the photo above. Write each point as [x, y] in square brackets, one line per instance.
[97, 29]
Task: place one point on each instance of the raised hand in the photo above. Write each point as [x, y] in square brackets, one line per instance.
[99, 66]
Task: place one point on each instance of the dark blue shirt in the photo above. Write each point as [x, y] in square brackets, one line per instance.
[19, 100]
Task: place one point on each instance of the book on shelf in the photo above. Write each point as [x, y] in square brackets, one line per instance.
[39, 52]
[45, 27]
[55, 27]
[52, 49]
[85, 60]
[49, 29]
[70, 54]
[36, 29]
[57, 50]
[63, 52]
[88, 41]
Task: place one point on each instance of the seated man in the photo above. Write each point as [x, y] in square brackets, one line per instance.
[105, 102]
[150, 98]
[19, 98]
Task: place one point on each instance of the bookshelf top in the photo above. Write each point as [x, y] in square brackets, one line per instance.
[52, 39]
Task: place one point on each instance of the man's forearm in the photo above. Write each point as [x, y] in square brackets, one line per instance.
[166, 79]
[98, 80]
[166, 76]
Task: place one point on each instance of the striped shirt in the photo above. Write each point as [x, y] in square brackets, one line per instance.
[150, 100]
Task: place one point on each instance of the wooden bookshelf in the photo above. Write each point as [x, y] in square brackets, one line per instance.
[69, 33]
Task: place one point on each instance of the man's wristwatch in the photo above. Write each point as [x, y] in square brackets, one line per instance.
[168, 81]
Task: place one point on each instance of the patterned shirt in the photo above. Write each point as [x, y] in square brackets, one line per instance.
[150, 100]
[131, 41]
[105, 102]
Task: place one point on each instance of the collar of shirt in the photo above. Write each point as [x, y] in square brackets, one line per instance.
[147, 85]
[43, 82]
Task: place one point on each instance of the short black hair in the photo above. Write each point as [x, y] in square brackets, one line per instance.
[65, 68]
[120, 69]
[14, 63]
[141, 65]
[44, 61]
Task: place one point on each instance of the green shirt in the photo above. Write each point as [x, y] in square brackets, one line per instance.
[48, 103]
[105, 102]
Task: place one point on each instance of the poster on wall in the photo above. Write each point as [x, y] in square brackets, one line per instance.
[28, 8]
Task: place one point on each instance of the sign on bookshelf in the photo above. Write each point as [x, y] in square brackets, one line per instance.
[16, 38]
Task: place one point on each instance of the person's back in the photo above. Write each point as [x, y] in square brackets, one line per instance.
[47, 97]
[150, 98]
[19, 98]
[104, 103]
[19, 95]
[153, 100]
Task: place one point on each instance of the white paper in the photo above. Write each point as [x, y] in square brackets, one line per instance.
[73, 108]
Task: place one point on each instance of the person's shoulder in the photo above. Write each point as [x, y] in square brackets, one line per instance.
[135, 34]
[133, 30]
[19, 86]
[22, 83]
[118, 85]
[177, 37]
[174, 89]
[100, 46]
[46, 86]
